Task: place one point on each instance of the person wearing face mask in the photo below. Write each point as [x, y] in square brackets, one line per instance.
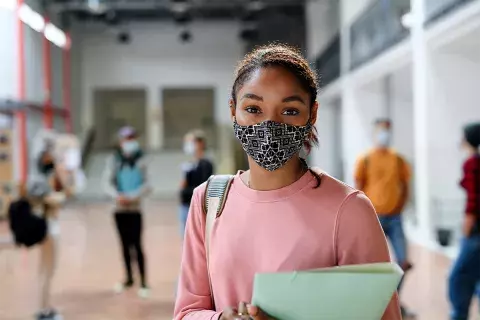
[195, 172]
[33, 219]
[280, 215]
[384, 176]
[125, 180]
[464, 278]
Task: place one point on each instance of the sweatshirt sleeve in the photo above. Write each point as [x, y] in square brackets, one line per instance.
[359, 239]
[193, 293]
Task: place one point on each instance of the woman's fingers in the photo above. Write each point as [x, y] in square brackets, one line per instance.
[257, 314]
[242, 309]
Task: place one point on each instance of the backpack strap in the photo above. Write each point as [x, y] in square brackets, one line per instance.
[214, 202]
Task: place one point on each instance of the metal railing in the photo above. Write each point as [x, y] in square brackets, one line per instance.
[87, 145]
[436, 9]
[377, 29]
[328, 62]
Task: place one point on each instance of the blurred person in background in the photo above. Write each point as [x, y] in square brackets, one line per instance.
[195, 172]
[280, 215]
[33, 219]
[125, 180]
[465, 274]
[384, 176]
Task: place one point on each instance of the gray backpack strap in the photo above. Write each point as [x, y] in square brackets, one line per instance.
[215, 198]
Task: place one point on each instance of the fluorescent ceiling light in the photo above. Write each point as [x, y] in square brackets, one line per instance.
[96, 6]
[31, 18]
[8, 4]
[55, 35]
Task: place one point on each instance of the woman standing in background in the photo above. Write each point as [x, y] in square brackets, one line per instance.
[195, 172]
[125, 179]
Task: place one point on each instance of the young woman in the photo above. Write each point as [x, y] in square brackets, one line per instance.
[125, 180]
[279, 215]
[196, 172]
[34, 220]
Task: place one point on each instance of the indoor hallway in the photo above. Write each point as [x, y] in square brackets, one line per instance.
[90, 264]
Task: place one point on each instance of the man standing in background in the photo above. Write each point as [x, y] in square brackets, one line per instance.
[464, 277]
[384, 176]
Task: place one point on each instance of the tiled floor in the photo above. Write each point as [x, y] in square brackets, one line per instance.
[90, 265]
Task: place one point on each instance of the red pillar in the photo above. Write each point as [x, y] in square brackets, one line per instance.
[47, 82]
[67, 98]
[20, 116]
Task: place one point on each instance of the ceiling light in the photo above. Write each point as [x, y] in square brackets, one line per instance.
[96, 6]
[31, 18]
[256, 5]
[56, 36]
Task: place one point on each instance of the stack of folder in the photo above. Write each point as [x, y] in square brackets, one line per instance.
[354, 292]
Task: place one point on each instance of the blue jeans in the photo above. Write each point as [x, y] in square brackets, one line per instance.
[183, 215]
[464, 280]
[393, 229]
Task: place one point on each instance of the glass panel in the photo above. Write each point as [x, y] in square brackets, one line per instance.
[377, 29]
[328, 63]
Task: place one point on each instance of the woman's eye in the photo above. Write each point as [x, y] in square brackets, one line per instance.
[291, 112]
[252, 109]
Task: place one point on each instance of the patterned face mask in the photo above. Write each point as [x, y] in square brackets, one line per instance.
[271, 144]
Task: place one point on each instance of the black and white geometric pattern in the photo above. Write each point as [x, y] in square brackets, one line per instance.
[271, 144]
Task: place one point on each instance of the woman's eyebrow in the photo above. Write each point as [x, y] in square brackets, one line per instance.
[293, 98]
[251, 96]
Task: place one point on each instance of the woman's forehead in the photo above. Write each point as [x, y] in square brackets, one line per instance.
[273, 80]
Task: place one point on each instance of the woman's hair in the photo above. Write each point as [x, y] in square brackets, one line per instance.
[280, 55]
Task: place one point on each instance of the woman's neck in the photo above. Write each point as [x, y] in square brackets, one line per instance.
[263, 180]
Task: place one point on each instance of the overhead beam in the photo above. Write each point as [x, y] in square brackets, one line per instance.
[82, 5]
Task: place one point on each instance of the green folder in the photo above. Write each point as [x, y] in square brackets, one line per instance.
[353, 292]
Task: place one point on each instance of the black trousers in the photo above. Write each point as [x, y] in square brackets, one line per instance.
[129, 226]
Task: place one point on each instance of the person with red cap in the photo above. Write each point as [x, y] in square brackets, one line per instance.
[465, 275]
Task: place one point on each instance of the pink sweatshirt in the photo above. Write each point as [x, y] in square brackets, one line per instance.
[297, 227]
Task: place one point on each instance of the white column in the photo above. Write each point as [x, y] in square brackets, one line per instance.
[420, 118]
[154, 119]
[348, 117]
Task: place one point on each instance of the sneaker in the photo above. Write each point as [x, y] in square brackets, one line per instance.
[144, 292]
[51, 314]
[120, 287]
[407, 314]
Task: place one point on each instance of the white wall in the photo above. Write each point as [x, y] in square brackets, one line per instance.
[323, 19]
[155, 59]
[8, 54]
[360, 107]
[454, 102]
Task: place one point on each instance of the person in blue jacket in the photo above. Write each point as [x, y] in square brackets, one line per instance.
[125, 180]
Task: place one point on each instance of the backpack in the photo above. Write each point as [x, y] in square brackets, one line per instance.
[213, 203]
[28, 229]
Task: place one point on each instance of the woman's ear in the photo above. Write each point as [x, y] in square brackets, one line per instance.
[313, 113]
[231, 103]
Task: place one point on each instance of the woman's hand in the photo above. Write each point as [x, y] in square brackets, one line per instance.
[236, 314]
[468, 225]
[122, 200]
[244, 312]
[257, 314]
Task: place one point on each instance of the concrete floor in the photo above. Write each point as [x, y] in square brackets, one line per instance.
[90, 265]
